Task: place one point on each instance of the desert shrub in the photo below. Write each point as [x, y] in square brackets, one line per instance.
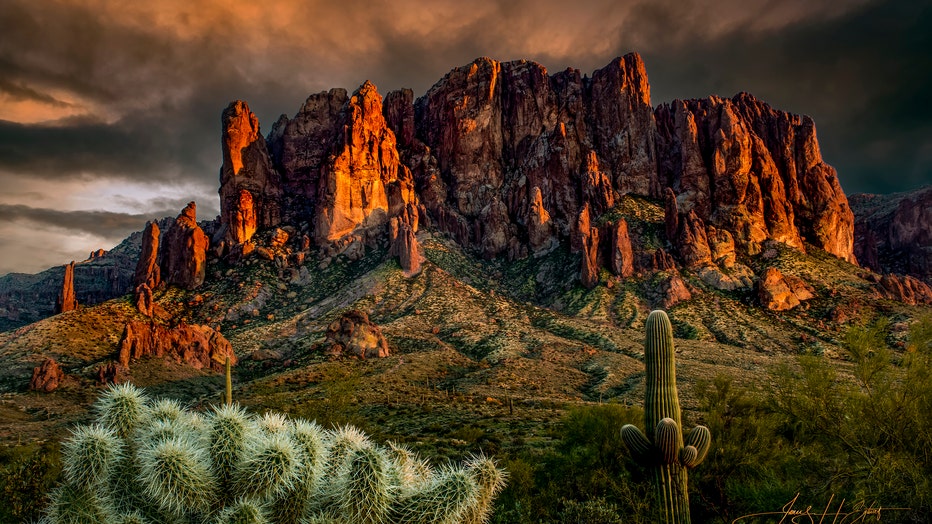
[594, 511]
[155, 462]
[750, 467]
[585, 472]
[866, 440]
[27, 474]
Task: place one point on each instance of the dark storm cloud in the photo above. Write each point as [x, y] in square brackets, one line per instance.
[100, 223]
[24, 92]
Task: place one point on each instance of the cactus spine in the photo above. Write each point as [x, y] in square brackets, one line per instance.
[664, 448]
[157, 462]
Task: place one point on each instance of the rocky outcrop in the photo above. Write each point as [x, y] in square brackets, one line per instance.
[250, 189]
[721, 246]
[353, 334]
[540, 230]
[183, 251]
[906, 289]
[658, 260]
[145, 303]
[668, 292]
[147, 268]
[111, 373]
[355, 181]
[542, 145]
[66, 299]
[756, 172]
[893, 233]
[621, 255]
[589, 271]
[404, 246]
[47, 376]
[197, 346]
[779, 292]
[338, 169]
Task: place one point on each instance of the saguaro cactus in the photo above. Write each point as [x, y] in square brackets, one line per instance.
[665, 449]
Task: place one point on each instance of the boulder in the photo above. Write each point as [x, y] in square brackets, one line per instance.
[668, 292]
[112, 373]
[779, 292]
[906, 289]
[353, 334]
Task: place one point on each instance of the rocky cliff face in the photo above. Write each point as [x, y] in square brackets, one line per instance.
[504, 157]
[196, 346]
[250, 189]
[893, 232]
[336, 167]
[756, 172]
[183, 251]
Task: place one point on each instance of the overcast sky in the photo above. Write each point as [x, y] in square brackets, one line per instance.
[110, 109]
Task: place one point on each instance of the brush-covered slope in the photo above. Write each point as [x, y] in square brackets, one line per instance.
[505, 341]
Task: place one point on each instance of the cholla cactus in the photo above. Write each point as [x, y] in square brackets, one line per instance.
[147, 462]
[663, 449]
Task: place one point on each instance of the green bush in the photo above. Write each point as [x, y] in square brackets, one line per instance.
[585, 472]
[27, 474]
[154, 462]
[865, 440]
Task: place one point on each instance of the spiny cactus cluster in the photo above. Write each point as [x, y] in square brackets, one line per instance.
[665, 449]
[147, 461]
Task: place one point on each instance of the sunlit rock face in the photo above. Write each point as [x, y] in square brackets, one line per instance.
[200, 347]
[250, 188]
[756, 172]
[183, 251]
[66, 299]
[147, 271]
[504, 157]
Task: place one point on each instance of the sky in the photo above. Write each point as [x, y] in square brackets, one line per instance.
[110, 109]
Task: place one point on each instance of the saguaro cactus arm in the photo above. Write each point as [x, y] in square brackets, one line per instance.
[668, 440]
[637, 443]
[701, 439]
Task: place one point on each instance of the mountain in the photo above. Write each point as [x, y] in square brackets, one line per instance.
[512, 162]
[893, 233]
[455, 271]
